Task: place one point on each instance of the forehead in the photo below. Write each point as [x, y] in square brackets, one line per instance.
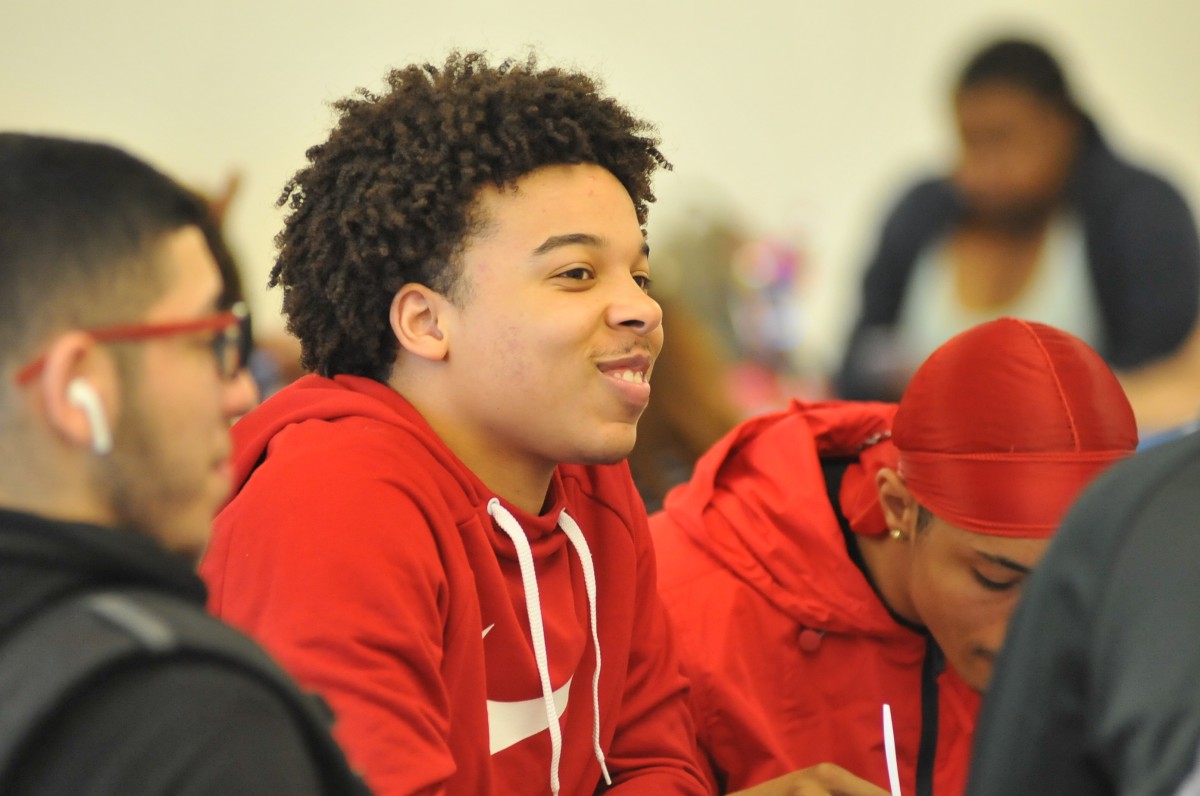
[555, 200]
[191, 279]
[999, 102]
[1023, 550]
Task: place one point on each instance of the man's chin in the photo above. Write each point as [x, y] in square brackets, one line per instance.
[189, 542]
[187, 533]
[612, 453]
[977, 675]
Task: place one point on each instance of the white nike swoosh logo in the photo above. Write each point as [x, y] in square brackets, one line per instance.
[488, 629]
[510, 723]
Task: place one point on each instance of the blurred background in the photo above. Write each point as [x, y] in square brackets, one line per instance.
[793, 126]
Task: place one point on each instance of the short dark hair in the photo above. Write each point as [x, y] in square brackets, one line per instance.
[232, 290]
[1021, 63]
[80, 223]
[388, 198]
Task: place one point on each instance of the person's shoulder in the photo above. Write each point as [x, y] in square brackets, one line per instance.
[1112, 508]
[1111, 178]
[1161, 478]
[924, 195]
[924, 207]
[1184, 449]
[1130, 482]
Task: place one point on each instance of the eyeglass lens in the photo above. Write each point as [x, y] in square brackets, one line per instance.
[231, 347]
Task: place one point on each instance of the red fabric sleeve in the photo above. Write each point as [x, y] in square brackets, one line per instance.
[336, 573]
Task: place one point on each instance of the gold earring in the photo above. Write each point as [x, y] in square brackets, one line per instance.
[897, 534]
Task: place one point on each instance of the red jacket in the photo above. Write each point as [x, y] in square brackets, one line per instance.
[362, 553]
[790, 652]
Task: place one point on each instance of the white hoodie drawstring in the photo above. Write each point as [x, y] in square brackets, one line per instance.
[571, 529]
[533, 606]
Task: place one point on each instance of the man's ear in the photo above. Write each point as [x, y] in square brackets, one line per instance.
[899, 506]
[418, 317]
[78, 393]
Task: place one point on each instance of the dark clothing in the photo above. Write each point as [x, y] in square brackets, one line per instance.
[178, 728]
[1142, 250]
[1097, 690]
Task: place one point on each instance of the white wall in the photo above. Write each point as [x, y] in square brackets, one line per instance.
[806, 116]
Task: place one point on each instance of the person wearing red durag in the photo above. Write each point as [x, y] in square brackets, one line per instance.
[834, 557]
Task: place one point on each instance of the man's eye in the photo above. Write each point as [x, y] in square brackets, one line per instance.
[644, 282]
[577, 273]
[994, 585]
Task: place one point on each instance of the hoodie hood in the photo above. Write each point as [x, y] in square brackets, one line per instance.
[348, 399]
[757, 505]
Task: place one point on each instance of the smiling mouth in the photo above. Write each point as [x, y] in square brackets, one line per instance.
[633, 368]
[629, 375]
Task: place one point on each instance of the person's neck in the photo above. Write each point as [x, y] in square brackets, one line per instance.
[522, 482]
[525, 487]
[1026, 227]
[63, 505]
[887, 560]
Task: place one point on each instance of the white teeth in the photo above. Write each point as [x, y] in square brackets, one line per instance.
[635, 376]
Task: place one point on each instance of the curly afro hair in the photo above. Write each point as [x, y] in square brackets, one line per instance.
[389, 198]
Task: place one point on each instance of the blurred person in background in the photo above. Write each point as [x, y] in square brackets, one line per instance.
[837, 556]
[1040, 220]
[692, 406]
[729, 297]
[694, 400]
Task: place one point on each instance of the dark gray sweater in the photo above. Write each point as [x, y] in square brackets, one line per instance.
[1097, 689]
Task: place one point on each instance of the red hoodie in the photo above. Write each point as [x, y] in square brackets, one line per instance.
[376, 567]
[790, 651]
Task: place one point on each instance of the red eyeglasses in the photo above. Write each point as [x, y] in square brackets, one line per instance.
[231, 342]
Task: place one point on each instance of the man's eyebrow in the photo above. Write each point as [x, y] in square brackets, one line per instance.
[572, 239]
[577, 239]
[1005, 562]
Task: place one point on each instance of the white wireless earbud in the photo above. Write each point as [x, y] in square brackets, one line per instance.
[82, 394]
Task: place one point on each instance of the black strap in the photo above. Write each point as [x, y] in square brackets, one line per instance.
[72, 645]
[931, 668]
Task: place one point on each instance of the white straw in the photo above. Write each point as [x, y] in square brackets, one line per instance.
[889, 750]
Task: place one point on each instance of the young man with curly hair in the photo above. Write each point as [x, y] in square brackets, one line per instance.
[436, 529]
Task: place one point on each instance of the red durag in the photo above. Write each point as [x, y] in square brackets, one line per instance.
[1005, 424]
